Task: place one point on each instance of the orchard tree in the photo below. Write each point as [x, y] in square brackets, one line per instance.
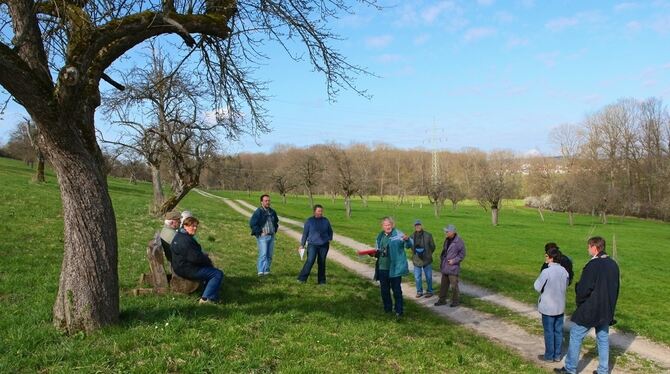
[53, 55]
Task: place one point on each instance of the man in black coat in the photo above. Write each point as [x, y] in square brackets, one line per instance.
[596, 294]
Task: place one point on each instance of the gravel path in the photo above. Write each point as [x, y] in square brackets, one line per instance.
[527, 345]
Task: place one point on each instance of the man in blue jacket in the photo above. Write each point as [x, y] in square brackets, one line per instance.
[317, 233]
[264, 224]
[596, 296]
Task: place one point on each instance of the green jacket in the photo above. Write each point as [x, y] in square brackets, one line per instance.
[396, 254]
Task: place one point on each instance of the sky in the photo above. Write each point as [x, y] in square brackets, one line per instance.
[489, 74]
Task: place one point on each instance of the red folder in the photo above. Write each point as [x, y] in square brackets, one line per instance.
[369, 252]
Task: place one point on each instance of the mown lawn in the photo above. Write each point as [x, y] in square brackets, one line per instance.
[264, 325]
[507, 258]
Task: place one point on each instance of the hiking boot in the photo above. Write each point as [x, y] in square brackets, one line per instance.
[204, 301]
[453, 305]
[562, 370]
[440, 302]
[428, 294]
[419, 294]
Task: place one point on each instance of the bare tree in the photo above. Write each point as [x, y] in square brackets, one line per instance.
[32, 133]
[171, 128]
[345, 174]
[495, 181]
[52, 58]
[307, 169]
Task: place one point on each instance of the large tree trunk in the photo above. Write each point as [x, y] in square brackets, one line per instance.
[347, 205]
[88, 293]
[159, 198]
[570, 217]
[494, 216]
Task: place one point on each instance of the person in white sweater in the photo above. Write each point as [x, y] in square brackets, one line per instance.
[552, 284]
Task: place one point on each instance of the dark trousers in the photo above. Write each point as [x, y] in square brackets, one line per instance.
[449, 280]
[386, 285]
[319, 253]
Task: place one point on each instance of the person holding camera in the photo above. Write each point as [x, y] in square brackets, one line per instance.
[423, 247]
[552, 284]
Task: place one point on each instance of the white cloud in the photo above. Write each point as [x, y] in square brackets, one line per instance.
[431, 13]
[477, 33]
[622, 7]
[549, 58]
[662, 25]
[514, 42]
[504, 17]
[562, 23]
[421, 39]
[379, 41]
[633, 26]
[515, 90]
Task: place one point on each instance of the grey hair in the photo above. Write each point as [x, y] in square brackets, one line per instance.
[390, 219]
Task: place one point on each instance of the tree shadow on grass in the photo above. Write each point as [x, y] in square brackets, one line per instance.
[342, 297]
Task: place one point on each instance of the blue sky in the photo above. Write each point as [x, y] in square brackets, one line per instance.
[489, 74]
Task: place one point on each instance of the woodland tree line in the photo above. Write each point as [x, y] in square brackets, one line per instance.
[615, 161]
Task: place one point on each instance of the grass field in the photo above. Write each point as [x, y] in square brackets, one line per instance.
[507, 258]
[264, 325]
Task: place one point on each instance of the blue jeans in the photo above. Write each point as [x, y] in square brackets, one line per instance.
[319, 253]
[553, 336]
[577, 334]
[386, 284]
[428, 271]
[211, 278]
[266, 246]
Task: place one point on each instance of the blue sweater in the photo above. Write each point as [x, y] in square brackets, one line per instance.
[317, 231]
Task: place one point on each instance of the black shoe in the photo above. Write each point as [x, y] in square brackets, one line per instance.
[562, 370]
[453, 305]
[440, 302]
[398, 317]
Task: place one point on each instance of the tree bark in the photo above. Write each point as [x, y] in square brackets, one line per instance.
[570, 218]
[347, 205]
[39, 174]
[157, 184]
[88, 293]
[494, 216]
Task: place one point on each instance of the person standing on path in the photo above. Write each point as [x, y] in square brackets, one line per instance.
[391, 265]
[596, 296]
[423, 247]
[264, 224]
[317, 234]
[190, 262]
[453, 253]
[566, 262]
[552, 284]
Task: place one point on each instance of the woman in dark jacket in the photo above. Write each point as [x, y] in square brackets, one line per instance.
[190, 262]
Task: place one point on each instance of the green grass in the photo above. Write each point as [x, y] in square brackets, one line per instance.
[507, 258]
[264, 325]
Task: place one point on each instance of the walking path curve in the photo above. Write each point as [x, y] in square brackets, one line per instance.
[488, 325]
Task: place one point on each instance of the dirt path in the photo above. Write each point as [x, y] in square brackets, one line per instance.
[527, 345]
